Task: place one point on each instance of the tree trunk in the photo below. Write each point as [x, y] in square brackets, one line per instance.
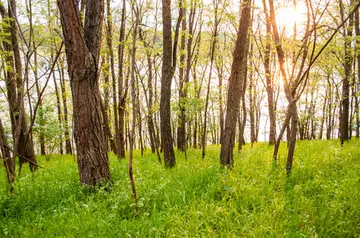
[237, 81]
[168, 70]
[344, 118]
[68, 147]
[82, 51]
[269, 79]
[181, 128]
[122, 88]
[109, 38]
[357, 82]
[15, 89]
[9, 162]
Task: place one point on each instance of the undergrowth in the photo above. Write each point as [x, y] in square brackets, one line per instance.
[196, 198]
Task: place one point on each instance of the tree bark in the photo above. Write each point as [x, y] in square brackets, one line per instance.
[82, 51]
[344, 118]
[237, 80]
[269, 78]
[181, 128]
[15, 89]
[168, 70]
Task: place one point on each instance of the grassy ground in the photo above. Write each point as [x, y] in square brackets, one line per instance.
[197, 198]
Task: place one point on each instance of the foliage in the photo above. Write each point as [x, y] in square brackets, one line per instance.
[47, 125]
[197, 198]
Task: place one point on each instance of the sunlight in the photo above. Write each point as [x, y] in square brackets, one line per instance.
[288, 15]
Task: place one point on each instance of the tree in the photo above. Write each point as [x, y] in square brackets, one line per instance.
[168, 70]
[82, 52]
[269, 78]
[23, 144]
[348, 61]
[236, 82]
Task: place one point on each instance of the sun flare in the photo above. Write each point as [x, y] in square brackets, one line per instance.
[287, 16]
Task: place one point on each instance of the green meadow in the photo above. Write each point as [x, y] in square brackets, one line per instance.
[197, 198]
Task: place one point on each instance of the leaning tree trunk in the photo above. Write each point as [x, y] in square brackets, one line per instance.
[235, 91]
[82, 51]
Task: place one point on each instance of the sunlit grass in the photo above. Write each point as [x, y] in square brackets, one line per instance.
[196, 198]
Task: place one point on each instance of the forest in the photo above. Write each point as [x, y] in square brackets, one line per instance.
[179, 118]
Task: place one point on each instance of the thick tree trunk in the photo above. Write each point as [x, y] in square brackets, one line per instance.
[82, 51]
[237, 81]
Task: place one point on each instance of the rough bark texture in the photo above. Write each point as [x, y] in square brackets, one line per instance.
[168, 64]
[15, 90]
[82, 51]
[237, 80]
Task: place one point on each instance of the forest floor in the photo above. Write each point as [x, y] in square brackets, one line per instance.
[196, 198]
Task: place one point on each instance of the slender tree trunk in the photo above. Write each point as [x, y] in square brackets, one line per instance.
[122, 87]
[292, 139]
[168, 70]
[357, 82]
[109, 38]
[242, 123]
[9, 162]
[344, 125]
[212, 56]
[134, 104]
[16, 95]
[236, 83]
[68, 147]
[181, 128]
[269, 78]
[58, 106]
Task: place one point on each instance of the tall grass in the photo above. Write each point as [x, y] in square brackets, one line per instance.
[196, 198]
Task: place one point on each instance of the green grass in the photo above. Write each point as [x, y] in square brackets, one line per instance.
[196, 198]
